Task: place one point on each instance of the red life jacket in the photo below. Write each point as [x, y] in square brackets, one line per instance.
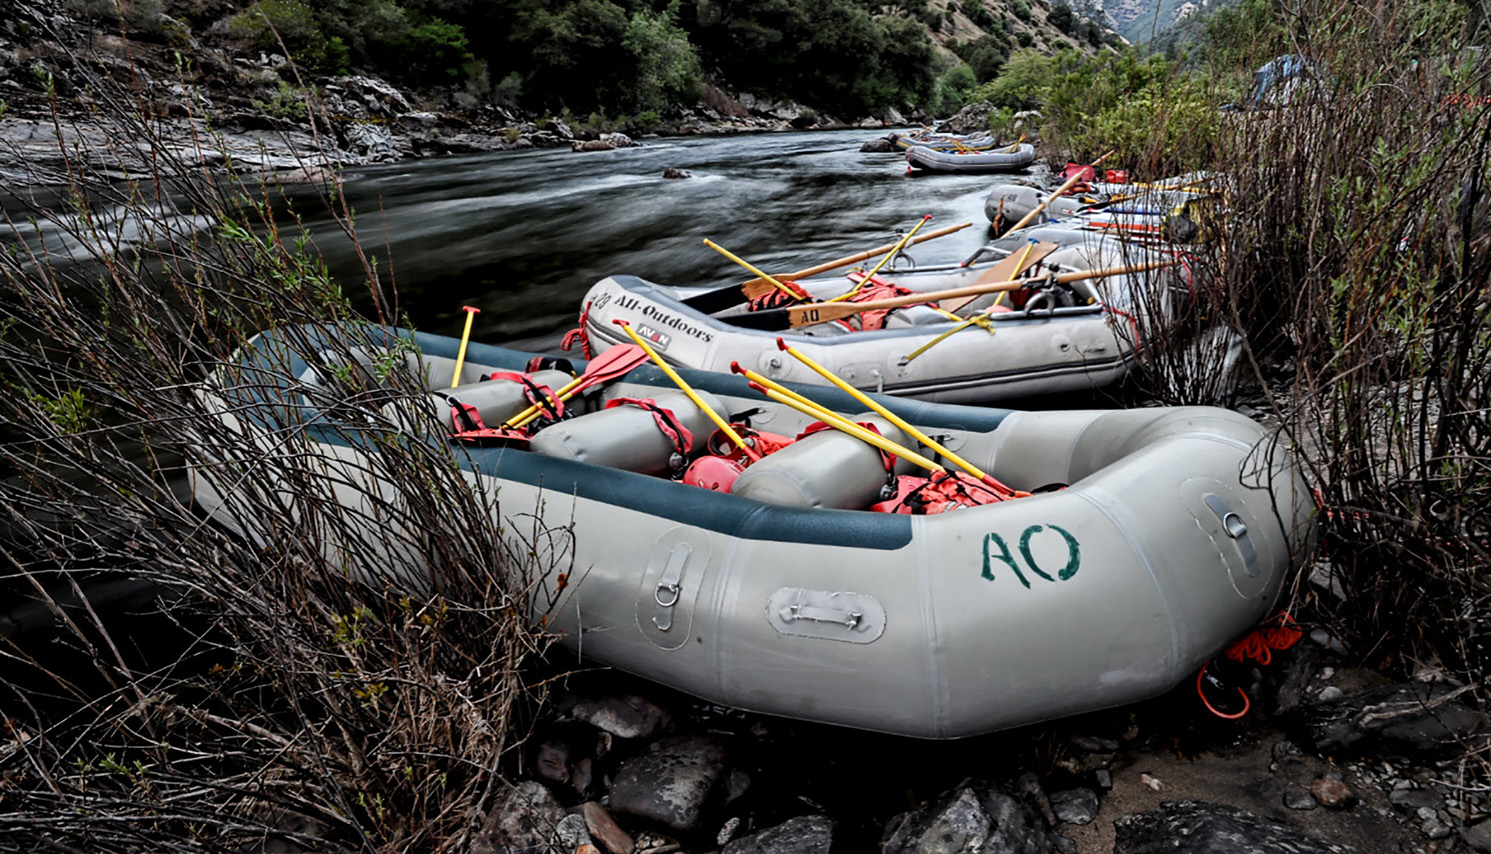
[940, 493]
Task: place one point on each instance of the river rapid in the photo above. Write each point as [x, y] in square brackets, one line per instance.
[523, 235]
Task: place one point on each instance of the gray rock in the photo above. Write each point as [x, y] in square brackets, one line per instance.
[524, 819]
[812, 834]
[571, 832]
[1478, 836]
[671, 782]
[971, 820]
[1198, 827]
[1103, 777]
[371, 143]
[879, 145]
[1094, 744]
[973, 118]
[590, 145]
[1075, 806]
[1331, 692]
[1299, 799]
[1411, 800]
[618, 140]
[379, 97]
[631, 716]
[1413, 719]
[672, 173]
[559, 129]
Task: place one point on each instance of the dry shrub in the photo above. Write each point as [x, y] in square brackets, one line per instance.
[1352, 256]
[290, 702]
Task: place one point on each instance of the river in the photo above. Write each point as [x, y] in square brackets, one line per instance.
[523, 235]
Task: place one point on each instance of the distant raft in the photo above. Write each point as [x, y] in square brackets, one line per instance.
[1154, 537]
[1006, 159]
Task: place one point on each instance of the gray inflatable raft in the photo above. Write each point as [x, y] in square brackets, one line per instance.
[1173, 535]
[1007, 159]
[1074, 340]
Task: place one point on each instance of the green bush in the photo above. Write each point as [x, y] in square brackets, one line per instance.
[1022, 10]
[437, 51]
[1022, 82]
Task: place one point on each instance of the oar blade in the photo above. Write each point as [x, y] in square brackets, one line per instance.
[613, 363]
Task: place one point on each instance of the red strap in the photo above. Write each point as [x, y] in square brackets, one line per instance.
[579, 333]
[667, 422]
[537, 394]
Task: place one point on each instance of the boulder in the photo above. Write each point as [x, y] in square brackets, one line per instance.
[380, 98]
[630, 716]
[971, 820]
[1414, 719]
[879, 145]
[590, 145]
[670, 783]
[973, 118]
[525, 818]
[812, 834]
[1198, 827]
[618, 140]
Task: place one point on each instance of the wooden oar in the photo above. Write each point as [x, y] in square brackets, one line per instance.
[607, 366]
[471, 314]
[1070, 183]
[807, 315]
[686, 389]
[883, 261]
[894, 418]
[1004, 271]
[759, 287]
[786, 396]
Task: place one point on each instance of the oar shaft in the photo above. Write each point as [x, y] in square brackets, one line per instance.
[762, 276]
[858, 256]
[1071, 182]
[889, 255]
[813, 410]
[471, 314]
[881, 410]
[686, 389]
[804, 315]
[532, 412]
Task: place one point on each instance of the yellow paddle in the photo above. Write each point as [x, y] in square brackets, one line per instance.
[756, 288]
[471, 314]
[698, 401]
[774, 283]
[889, 255]
[786, 396]
[806, 315]
[891, 417]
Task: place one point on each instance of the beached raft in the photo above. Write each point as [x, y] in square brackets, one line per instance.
[1081, 335]
[1163, 535]
[1006, 159]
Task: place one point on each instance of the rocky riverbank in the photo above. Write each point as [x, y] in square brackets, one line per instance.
[260, 114]
[1330, 759]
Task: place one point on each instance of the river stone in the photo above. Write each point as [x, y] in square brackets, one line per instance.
[809, 834]
[671, 782]
[1333, 793]
[629, 716]
[982, 820]
[1075, 806]
[571, 832]
[1413, 719]
[1478, 836]
[524, 819]
[1198, 827]
[590, 145]
[1299, 799]
[1410, 799]
[879, 145]
[616, 139]
[604, 829]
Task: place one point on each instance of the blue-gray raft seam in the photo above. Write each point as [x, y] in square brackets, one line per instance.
[1107, 503]
[935, 689]
[717, 641]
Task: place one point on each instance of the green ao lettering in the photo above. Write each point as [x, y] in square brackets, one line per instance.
[996, 549]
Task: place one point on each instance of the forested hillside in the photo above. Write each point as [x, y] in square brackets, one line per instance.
[850, 58]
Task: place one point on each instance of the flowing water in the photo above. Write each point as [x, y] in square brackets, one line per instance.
[523, 235]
